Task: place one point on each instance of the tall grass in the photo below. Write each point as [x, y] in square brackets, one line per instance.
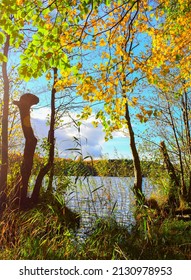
[40, 234]
[97, 197]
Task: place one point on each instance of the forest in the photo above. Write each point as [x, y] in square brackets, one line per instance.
[124, 66]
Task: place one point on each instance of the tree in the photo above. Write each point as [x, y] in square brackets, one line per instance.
[24, 105]
[173, 126]
[49, 166]
[114, 79]
[14, 140]
[170, 44]
[5, 116]
[11, 35]
[167, 69]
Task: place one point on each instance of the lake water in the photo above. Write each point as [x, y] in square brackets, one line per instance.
[96, 197]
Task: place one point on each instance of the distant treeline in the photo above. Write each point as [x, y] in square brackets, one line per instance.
[102, 167]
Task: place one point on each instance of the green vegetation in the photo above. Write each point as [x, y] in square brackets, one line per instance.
[40, 234]
[113, 168]
[102, 167]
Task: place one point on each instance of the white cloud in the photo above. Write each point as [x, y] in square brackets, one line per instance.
[41, 113]
[123, 133]
[91, 138]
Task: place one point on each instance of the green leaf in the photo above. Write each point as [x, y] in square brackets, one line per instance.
[3, 58]
[65, 58]
[107, 2]
[74, 70]
[43, 31]
[36, 43]
[45, 12]
[178, 57]
[25, 72]
[36, 37]
[2, 38]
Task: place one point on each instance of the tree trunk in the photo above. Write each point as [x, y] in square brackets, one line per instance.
[51, 140]
[4, 139]
[181, 181]
[186, 118]
[136, 161]
[24, 104]
[173, 200]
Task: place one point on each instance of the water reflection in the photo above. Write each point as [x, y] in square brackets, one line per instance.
[95, 197]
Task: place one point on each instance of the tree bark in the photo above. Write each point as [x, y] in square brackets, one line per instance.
[181, 181]
[4, 138]
[185, 111]
[51, 140]
[136, 161]
[174, 181]
[24, 104]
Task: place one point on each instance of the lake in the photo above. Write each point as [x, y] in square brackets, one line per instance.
[96, 197]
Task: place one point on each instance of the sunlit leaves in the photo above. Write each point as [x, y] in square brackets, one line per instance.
[134, 101]
[48, 76]
[171, 44]
[2, 37]
[87, 111]
[3, 58]
[102, 43]
[20, 2]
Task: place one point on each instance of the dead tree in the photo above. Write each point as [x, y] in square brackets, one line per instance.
[173, 199]
[26, 101]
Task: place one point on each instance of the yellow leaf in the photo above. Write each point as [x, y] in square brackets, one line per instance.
[95, 124]
[79, 65]
[149, 112]
[48, 76]
[102, 43]
[134, 100]
[20, 2]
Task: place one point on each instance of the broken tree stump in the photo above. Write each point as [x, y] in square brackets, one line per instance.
[24, 104]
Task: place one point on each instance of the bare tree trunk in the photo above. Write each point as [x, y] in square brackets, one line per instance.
[136, 161]
[51, 140]
[24, 104]
[173, 199]
[51, 132]
[4, 139]
[51, 178]
[185, 111]
[182, 181]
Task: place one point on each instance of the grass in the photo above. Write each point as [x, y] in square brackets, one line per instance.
[41, 234]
